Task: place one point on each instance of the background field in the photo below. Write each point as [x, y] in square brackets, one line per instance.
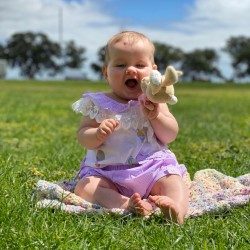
[38, 141]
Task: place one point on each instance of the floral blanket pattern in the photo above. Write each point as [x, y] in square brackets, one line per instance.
[210, 191]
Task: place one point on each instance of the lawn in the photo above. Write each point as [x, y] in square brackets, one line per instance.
[38, 141]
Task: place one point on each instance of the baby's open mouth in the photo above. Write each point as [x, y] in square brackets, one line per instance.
[131, 83]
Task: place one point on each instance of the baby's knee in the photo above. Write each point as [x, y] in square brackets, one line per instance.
[166, 182]
[169, 179]
[89, 185]
[79, 188]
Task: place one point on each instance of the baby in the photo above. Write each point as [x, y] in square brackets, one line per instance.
[128, 164]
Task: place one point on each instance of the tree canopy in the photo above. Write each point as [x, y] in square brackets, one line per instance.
[74, 56]
[239, 50]
[97, 66]
[166, 55]
[201, 65]
[35, 53]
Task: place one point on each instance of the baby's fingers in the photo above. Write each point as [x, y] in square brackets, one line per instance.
[150, 106]
[108, 126]
[111, 124]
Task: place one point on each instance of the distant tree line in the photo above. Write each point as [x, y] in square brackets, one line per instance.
[35, 53]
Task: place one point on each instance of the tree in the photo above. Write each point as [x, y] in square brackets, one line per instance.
[166, 55]
[239, 50]
[200, 65]
[33, 53]
[3, 63]
[74, 56]
[97, 67]
[2, 52]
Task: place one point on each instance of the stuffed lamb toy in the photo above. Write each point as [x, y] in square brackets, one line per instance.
[159, 88]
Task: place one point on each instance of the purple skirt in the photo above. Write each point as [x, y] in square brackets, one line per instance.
[138, 178]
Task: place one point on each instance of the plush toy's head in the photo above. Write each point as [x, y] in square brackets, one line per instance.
[159, 88]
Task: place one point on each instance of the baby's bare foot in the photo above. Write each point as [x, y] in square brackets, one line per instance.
[139, 206]
[168, 207]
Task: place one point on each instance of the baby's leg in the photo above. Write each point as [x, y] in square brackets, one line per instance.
[101, 191]
[139, 206]
[171, 195]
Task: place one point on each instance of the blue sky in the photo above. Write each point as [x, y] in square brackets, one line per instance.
[147, 13]
[189, 24]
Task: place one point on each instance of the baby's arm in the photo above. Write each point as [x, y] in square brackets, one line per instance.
[163, 122]
[91, 134]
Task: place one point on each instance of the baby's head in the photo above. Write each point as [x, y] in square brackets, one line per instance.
[129, 56]
[130, 38]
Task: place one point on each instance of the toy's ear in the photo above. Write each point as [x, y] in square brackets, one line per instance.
[171, 76]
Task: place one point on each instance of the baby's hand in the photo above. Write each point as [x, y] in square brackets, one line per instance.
[150, 109]
[106, 128]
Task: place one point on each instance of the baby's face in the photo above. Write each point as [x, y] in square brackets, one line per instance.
[128, 63]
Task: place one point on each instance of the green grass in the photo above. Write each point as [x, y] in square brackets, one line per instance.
[38, 141]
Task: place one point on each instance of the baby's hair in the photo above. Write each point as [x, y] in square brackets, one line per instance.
[132, 36]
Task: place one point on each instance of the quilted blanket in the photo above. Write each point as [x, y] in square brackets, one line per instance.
[210, 191]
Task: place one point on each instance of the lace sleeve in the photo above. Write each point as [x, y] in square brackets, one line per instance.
[86, 107]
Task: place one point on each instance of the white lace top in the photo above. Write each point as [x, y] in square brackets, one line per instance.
[132, 142]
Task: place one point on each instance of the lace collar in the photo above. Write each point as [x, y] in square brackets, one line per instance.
[99, 106]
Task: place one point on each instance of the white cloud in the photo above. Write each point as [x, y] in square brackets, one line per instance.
[207, 24]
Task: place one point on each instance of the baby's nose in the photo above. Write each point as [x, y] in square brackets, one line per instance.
[131, 70]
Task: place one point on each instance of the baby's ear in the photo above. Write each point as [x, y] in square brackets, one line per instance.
[154, 66]
[104, 72]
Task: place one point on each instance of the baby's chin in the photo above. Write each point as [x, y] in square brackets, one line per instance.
[131, 94]
[134, 97]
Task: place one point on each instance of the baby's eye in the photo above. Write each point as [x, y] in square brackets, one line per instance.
[140, 66]
[120, 65]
